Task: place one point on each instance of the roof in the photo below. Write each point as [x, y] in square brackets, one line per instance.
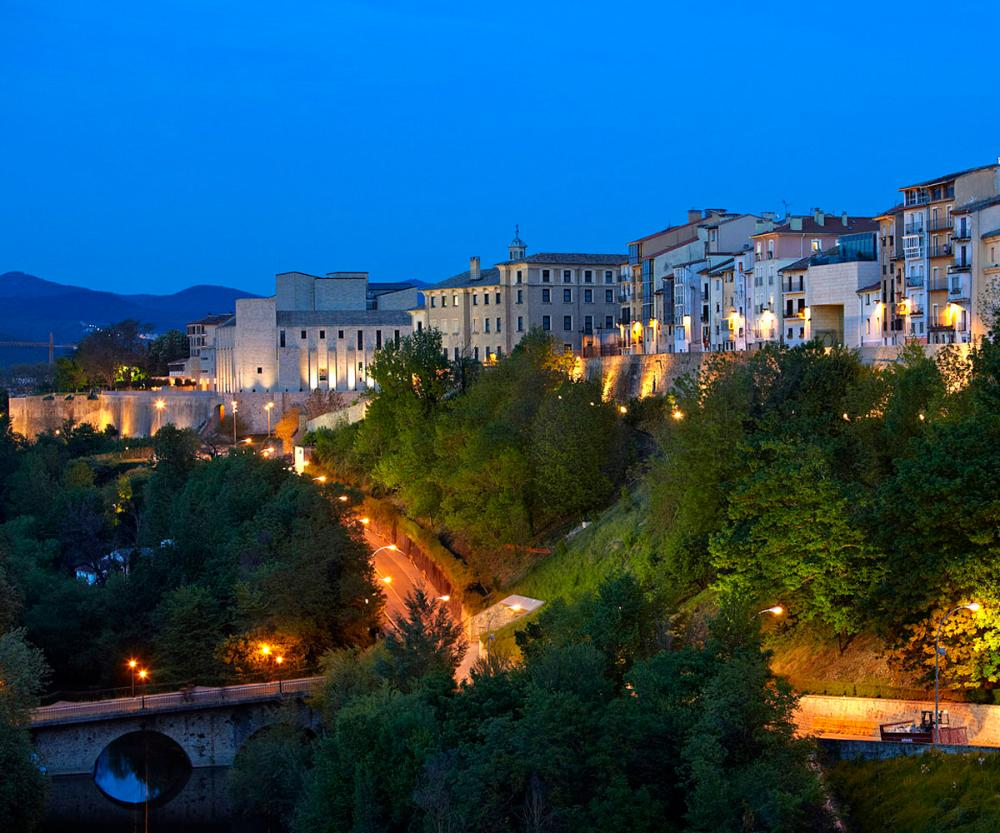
[871, 287]
[994, 233]
[212, 318]
[896, 209]
[833, 224]
[342, 318]
[573, 258]
[798, 266]
[719, 268]
[968, 208]
[946, 177]
[487, 277]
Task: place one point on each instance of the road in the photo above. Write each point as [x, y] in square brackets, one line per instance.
[396, 575]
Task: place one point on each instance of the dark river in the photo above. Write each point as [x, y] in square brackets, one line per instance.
[143, 781]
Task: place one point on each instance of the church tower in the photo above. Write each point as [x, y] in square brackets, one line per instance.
[516, 249]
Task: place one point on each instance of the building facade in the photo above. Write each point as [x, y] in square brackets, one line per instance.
[483, 313]
[314, 333]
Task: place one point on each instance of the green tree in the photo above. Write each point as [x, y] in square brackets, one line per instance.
[113, 354]
[70, 375]
[168, 347]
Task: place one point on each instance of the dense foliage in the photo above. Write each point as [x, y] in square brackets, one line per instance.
[931, 792]
[497, 456]
[599, 729]
[862, 498]
[188, 565]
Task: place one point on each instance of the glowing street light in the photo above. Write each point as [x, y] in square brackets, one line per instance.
[269, 407]
[234, 422]
[342, 498]
[364, 521]
[320, 479]
[132, 663]
[677, 414]
[390, 547]
[444, 598]
[265, 649]
[386, 579]
[972, 607]
[777, 610]
[622, 410]
[159, 405]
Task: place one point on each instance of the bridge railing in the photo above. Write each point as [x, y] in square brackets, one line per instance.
[171, 701]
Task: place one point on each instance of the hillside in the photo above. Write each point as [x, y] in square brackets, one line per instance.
[31, 308]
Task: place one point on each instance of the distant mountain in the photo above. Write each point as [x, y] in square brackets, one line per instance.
[31, 308]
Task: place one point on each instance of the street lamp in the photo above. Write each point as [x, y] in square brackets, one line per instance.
[159, 404]
[777, 610]
[938, 651]
[268, 407]
[131, 667]
[390, 547]
[234, 422]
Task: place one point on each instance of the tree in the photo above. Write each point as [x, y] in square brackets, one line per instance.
[70, 375]
[168, 347]
[426, 642]
[114, 354]
[268, 774]
[190, 626]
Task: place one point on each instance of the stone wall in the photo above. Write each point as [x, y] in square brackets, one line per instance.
[874, 750]
[859, 717]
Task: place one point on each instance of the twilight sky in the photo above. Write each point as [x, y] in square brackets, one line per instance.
[150, 146]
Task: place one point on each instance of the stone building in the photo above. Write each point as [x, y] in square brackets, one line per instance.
[314, 333]
[483, 313]
[198, 368]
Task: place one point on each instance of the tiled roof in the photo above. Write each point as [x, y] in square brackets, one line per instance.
[487, 277]
[572, 259]
[798, 265]
[946, 177]
[968, 208]
[342, 318]
[896, 209]
[212, 319]
[833, 224]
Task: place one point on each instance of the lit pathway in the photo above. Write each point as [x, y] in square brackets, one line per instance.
[402, 574]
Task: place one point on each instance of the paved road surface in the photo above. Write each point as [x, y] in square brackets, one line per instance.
[403, 576]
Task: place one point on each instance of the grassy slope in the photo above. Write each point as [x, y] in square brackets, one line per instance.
[931, 792]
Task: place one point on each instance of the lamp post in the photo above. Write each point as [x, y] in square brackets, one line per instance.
[390, 547]
[269, 407]
[131, 667]
[777, 610]
[938, 651]
[234, 422]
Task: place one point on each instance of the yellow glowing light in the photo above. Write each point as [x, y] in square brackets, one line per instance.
[387, 579]
[364, 521]
[920, 416]
[342, 498]
[321, 479]
[516, 607]
[159, 404]
[677, 414]
[974, 607]
[777, 610]
[265, 649]
[622, 410]
[143, 674]
[268, 406]
[444, 598]
[132, 663]
[392, 547]
[279, 660]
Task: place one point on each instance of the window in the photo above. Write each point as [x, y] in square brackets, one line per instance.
[444, 300]
[322, 374]
[361, 340]
[475, 352]
[303, 333]
[260, 370]
[322, 334]
[546, 296]
[609, 322]
[486, 325]
[868, 298]
[790, 332]
[486, 299]
[519, 279]
[588, 296]
[567, 296]
[475, 300]
[520, 324]
[545, 276]
[567, 276]
[588, 276]
[546, 322]
[609, 276]
[378, 339]
[758, 249]
[520, 296]
[770, 249]
[588, 324]
[497, 298]
[340, 333]
[454, 300]
[498, 325]
[395, 337]
[868, 327]
[281, 338]
[816, 245]
[434, 301]
[609, 296]
[567, 323]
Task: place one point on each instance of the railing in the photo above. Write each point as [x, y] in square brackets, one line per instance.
[920, 199]
[915, 281]
[913, 228]
[938, 284]
[962, 233]
[940, 250]
[941, 225]
[959, 267]
[171, 701]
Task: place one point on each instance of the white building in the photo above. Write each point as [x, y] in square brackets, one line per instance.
[314, 333]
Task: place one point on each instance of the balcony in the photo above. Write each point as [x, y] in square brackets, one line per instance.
[938, 284]
[913, 228]
[914, 199]
[956, 268]
[962, 233]
[940, 250]
[941, 224]
[915, 281]
[958, 288]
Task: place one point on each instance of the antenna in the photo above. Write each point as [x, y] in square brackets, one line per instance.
[787, 208]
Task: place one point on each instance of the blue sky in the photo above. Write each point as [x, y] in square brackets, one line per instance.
[150, 146]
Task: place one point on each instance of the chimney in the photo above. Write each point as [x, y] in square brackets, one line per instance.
[474, 268]
[843, 219]
[694, 215]
[795, 223]
[819, 217]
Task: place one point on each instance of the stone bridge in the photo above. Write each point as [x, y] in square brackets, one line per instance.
[209, 724]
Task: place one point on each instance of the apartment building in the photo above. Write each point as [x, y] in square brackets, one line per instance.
[483, 313]
[939, 303]
[314, 333]
[656, 323]
[798, 237]
[891, 265]
[834, 296]
[198, 368]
